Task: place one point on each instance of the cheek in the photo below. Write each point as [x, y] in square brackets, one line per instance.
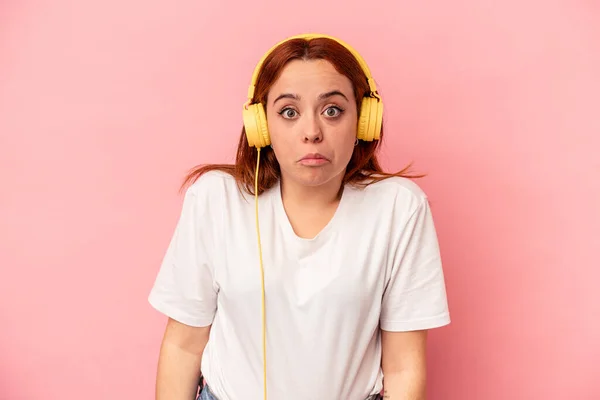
[275, 126]
[278, 138]
[345, 139]
[348, 149]
[280, 143]
[282, 135]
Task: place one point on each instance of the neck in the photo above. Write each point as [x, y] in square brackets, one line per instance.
[311, 197]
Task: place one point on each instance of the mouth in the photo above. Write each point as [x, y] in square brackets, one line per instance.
[313, 156]
[313, 159]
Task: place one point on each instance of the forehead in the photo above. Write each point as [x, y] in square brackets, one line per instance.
[310, 75]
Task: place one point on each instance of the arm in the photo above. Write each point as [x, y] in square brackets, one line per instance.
[404, 365]
[179, 361]
[185, 291]
[414, 302]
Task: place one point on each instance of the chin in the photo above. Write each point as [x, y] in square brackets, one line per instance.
[314, 176]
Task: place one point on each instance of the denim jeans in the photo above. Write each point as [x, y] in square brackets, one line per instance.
[206, 394]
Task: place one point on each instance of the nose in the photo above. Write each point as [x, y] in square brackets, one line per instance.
[312, 131]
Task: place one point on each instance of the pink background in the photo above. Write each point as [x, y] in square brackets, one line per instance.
[104, 105]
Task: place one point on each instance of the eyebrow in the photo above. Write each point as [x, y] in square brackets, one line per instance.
[322, 96]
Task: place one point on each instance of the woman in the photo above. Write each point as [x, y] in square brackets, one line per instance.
[328, 282]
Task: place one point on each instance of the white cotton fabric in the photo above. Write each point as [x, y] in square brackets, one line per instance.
[375, 265]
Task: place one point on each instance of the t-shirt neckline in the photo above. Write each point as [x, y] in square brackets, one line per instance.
[327, 229]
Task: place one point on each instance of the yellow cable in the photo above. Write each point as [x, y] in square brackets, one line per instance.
[262, 278]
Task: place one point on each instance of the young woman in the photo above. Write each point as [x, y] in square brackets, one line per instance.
[325, 285]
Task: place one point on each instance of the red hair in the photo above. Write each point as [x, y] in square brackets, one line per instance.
[363, 167]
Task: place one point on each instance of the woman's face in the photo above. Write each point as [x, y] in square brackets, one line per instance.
[312, 120]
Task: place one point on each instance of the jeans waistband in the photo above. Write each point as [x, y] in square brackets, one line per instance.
[206, 394]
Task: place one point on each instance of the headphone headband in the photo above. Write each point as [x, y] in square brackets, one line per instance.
[309, 36]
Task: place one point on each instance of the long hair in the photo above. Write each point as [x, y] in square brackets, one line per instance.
[363, 168]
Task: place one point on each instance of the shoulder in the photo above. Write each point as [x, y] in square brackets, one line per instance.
[393, 199]
[399, 189]
[212, 184]
[210, 192]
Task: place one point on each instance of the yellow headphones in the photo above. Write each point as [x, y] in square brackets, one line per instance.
[371, 110]
[257, 133]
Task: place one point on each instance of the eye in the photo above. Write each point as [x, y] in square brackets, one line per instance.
[287, 113]
[333, 112]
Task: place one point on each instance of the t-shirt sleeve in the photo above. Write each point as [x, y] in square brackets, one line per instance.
[184, 288]
[415, 295]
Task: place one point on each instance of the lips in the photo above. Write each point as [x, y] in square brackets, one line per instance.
[313, 160]
[313, 156]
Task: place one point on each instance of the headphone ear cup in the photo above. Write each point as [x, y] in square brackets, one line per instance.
[369, 123]
[250, 125]
[378, 120]
[255, 125]
[363, 119]
[374, 119]
[263, 128]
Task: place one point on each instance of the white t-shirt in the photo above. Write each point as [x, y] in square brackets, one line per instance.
[375, 265]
